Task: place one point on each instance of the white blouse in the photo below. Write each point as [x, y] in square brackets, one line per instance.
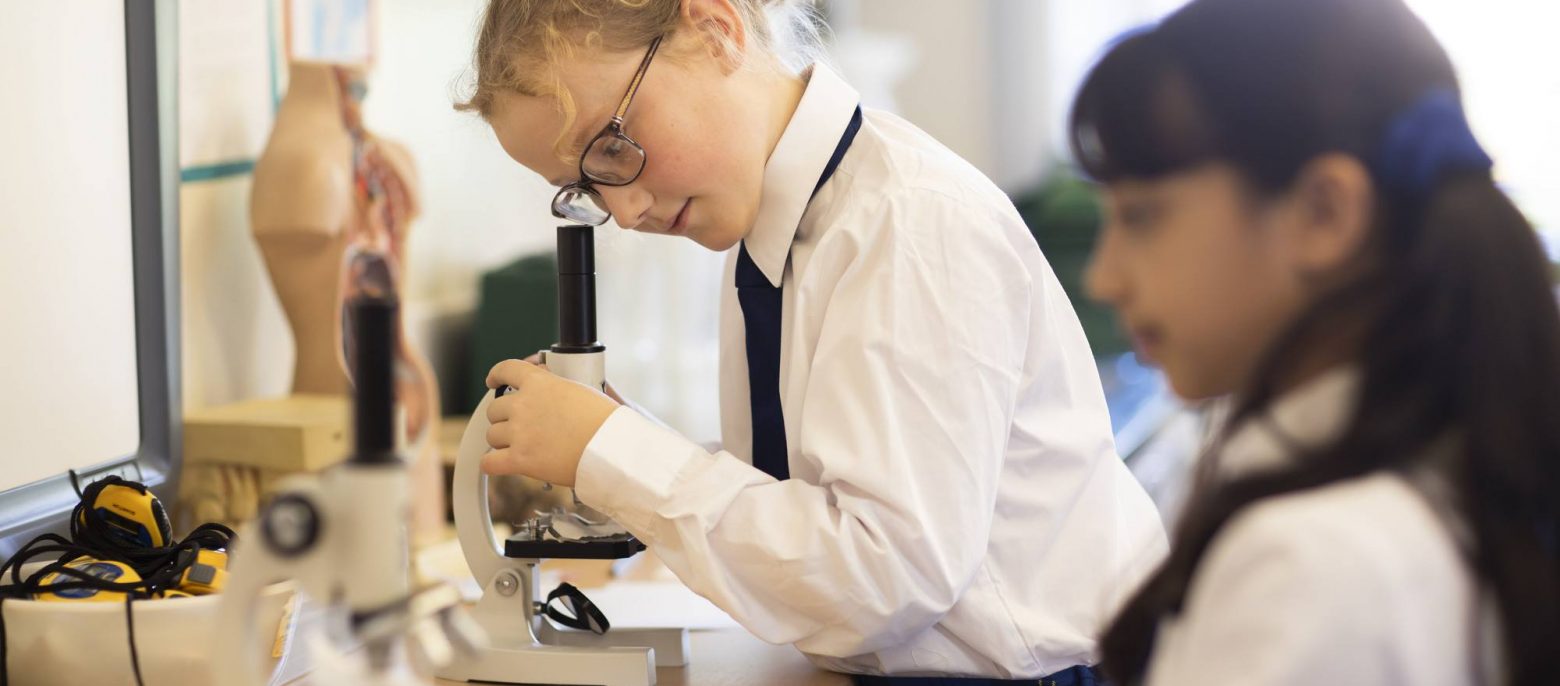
[1359, 582]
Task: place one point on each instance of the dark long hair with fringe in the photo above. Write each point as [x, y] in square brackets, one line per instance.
[1459, 332]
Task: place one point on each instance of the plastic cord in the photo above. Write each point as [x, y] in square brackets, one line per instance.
[135, 659]
[5, 667]
[159, 568]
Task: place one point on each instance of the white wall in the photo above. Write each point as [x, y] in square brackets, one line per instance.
[992, 79]
[948, 91]
[978, 76]
[236, 341]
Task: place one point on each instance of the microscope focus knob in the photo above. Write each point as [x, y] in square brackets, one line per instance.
[291, 524]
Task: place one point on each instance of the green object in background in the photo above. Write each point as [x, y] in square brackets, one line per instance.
[517, 315]
[1064, 216]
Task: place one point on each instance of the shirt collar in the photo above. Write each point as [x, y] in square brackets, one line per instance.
[793, 168]
[1307, 417]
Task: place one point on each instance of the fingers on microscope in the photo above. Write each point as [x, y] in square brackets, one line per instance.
[510, 373]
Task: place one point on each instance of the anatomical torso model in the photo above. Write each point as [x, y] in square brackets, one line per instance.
[331, 208]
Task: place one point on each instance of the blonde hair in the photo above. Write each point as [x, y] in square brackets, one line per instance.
[521, 43]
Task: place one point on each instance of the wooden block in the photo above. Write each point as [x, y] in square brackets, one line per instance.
[298, 433]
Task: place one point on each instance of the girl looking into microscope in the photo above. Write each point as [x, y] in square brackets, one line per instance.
[918, 475]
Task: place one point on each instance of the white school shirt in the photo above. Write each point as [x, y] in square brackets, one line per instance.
[1358, 582]
[955, 504]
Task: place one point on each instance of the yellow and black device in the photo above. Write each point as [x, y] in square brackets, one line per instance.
[105, 571]
[206, 574]
[126, 512]
[121, 548]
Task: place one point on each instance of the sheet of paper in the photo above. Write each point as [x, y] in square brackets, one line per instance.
[446, 562]
[654, 604]
[331, 30]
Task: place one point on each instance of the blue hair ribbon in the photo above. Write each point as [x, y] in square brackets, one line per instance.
[1426, 142]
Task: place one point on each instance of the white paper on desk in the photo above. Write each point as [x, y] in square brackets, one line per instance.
[445, 561]
[656, 604]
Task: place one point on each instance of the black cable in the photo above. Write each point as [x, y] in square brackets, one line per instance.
[26, 552]
[160, 568]
[5, 667]
[135, 659]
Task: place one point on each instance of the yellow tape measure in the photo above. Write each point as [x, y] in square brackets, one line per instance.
[133, 516]
[207, 575]
[105, 570]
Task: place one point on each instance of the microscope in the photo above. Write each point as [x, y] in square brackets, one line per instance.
[342, 537]
[525, 647]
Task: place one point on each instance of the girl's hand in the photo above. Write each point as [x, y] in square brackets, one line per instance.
[540, 429]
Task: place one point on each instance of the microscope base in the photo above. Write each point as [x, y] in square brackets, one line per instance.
[670, 645]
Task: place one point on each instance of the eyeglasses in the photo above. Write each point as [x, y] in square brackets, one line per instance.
[610, 159]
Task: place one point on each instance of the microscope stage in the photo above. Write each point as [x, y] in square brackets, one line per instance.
[520, 547]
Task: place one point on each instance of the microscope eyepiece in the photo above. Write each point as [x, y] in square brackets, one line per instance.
[577, 291]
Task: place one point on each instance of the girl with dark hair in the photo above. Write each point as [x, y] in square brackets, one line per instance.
[1299, 217]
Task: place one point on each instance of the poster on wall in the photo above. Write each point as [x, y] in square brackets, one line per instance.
[330, 30]
[226, 88]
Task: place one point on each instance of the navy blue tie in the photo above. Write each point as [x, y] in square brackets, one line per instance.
[760, 302]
